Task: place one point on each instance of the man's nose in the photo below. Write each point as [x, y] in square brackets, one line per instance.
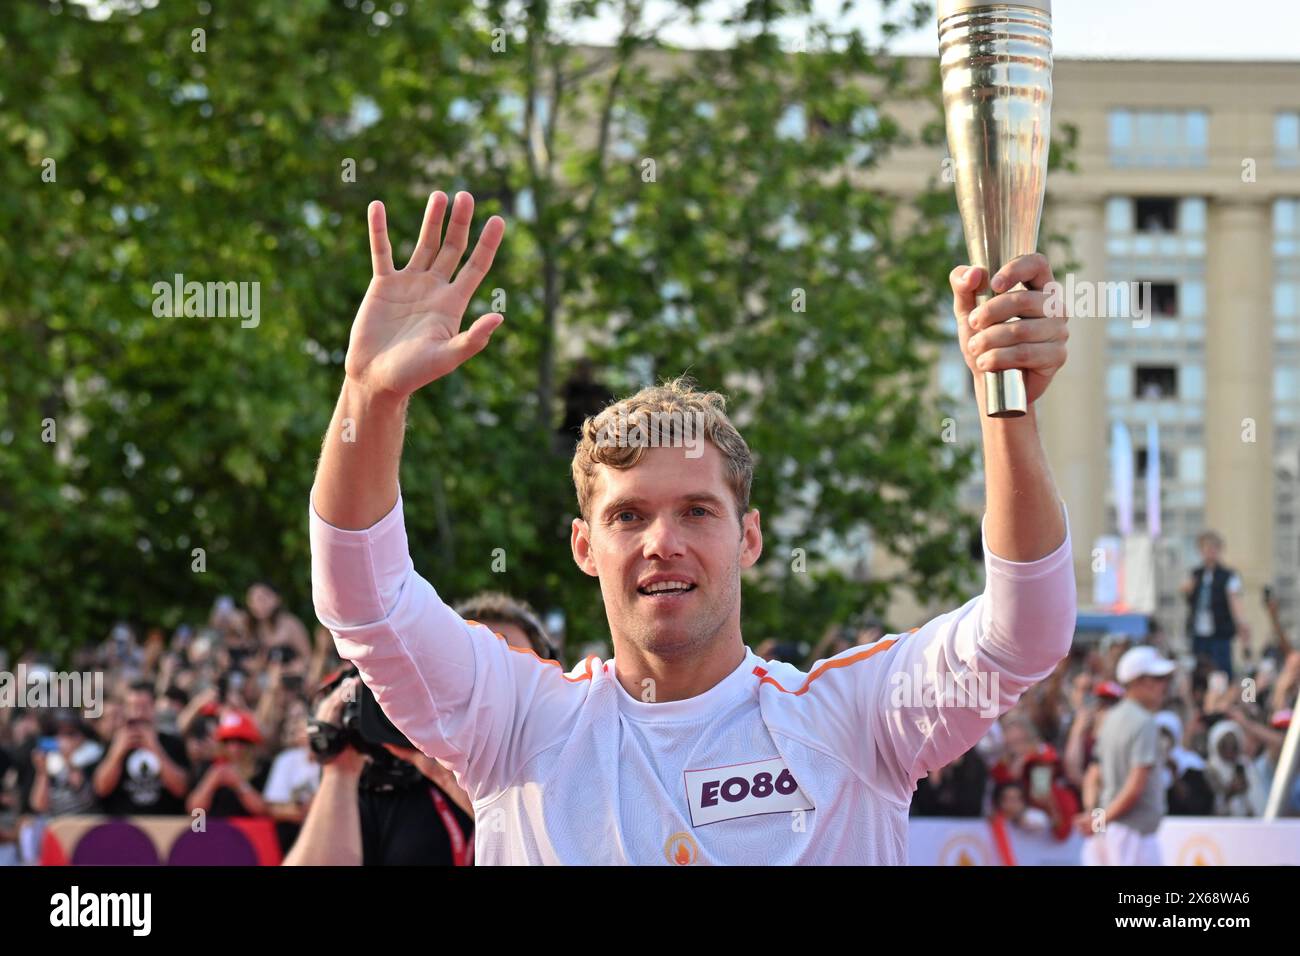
[662, 540]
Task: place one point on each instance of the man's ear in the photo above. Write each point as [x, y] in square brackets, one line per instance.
[751, 539]
[580, 543]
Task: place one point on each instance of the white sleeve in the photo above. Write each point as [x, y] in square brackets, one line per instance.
[944, 684]
[910, 703]
[457, 691]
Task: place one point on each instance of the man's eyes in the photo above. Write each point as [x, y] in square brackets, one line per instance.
[696, 511]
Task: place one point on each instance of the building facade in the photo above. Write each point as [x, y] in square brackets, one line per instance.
[1185, 196]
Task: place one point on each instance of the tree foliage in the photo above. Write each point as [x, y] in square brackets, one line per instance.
[709, 212]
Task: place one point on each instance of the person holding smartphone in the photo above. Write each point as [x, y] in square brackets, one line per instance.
[144, 771]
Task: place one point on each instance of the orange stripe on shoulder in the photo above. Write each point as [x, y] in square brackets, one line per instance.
[871, 651]
[540, 660]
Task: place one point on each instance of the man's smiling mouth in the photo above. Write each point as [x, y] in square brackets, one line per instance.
[665, 588]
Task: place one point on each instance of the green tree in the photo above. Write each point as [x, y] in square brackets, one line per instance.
[247, 152]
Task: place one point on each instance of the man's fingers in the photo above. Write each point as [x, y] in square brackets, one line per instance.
[453, 246]
[426, 248]
[474, 339]
[1022, 304]
[965, 280]
[1033, 270]
[381, 253]
[1024, 356]
[480, 260]
[1006, 334]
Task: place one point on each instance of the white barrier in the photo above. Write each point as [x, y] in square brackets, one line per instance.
[1184, 841]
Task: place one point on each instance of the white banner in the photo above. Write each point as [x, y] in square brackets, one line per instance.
[1184, 841]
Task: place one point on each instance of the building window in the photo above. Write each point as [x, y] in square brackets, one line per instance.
[1191, 216]
[1118, 379]
[1159, 137]
[1167, 469]
[1284, 300]
[1191, 299]
[1156, 215]
[1286, 218]
[1286, 384]
[1191, 464]
[1119, 215]
[1155, 382]
[1286, 139]
[1164, 299]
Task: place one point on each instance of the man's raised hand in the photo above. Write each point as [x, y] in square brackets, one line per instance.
[407, 332]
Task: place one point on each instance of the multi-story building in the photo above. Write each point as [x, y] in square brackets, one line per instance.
[1188, 178]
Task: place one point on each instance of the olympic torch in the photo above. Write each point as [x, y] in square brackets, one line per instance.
[996, 63]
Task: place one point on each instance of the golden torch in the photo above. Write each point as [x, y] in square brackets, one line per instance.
[996, 63]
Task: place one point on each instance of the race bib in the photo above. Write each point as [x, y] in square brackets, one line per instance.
[743, 790]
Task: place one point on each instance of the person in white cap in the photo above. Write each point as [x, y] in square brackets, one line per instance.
[1132, 800]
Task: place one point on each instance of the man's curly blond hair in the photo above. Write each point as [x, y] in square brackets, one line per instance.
[670, 405]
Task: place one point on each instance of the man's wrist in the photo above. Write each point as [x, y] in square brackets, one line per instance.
[370, 397]
[341, 770]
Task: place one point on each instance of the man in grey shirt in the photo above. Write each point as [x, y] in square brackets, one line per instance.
[1128, 749]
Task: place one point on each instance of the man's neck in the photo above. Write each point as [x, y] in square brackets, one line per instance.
[657, 680]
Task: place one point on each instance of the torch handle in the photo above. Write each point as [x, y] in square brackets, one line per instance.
[1004, 391]
[1004, 394]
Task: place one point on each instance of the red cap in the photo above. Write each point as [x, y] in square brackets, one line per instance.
[238, 725]
[1109, 689]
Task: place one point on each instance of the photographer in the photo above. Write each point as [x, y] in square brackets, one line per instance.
[379, 803]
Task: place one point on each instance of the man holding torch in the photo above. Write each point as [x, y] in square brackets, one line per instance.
[685, 747]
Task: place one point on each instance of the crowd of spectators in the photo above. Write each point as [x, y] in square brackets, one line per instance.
[214, 719]
[1220, 737]
[210, 719]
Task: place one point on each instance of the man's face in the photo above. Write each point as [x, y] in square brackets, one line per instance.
[1018, 741]
[1150, 691]
[1209, 550]
[1012, 803]
[261, 601]
[1228, 748]
[139, 706]
[664, 539]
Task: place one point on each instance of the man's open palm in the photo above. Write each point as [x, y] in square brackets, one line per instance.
[407, 331]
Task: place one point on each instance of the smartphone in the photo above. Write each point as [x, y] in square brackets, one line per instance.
[48, 745]
[1040, 782]
[1218, 683]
